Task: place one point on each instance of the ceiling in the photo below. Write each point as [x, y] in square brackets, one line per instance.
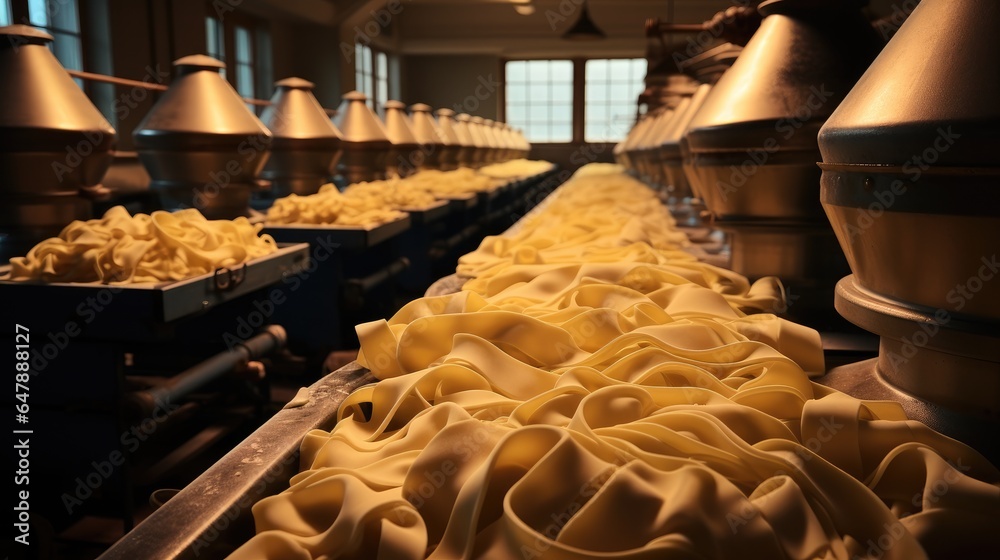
[494, 27]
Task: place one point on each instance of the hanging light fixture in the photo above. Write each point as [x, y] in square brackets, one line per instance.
[584, 29]
[524, 7]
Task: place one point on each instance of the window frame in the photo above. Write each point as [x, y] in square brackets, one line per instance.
[579, 94]
[254, 27]
[20, 13]
[372, 75]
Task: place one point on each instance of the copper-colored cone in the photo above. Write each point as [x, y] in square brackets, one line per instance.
[53, 142]
[428, 135]
[200, 143]
[363, 140]
[305, 147]
[406, 155]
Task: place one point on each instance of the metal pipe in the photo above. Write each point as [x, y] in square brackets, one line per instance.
[356, 288]
[91, 76]
[177, 387]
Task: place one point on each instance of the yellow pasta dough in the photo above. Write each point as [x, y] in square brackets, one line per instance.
[158, 247]
[594, 392]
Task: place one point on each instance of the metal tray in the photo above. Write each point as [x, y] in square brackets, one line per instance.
[211, 517]
[462, 201]
[432, 213]
[167, 301]
[346, 237]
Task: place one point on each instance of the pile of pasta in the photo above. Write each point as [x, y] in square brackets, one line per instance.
[515, 169]
[593, 392]
[394, 193]
[461, 181]
[145, 248]
[329, 206]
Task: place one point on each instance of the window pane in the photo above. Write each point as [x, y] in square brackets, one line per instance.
[563, 93]
[538, 92]
[366, 61]
[63, 15]
[594, 111]
[540, 99]
[517, 71]
[67, 49]
[612, 89]
[561, 71]
[597, 93]
[596, 70]
[622, 92]
[38, 12]
[244, 80]
[561, 132]
[382, 70]
[561, 113]
[5, 16]
[215, 45]
[244, 50]
[517, 93]
[359, 58]
[516, 113]
[538, 71]
[538, 112]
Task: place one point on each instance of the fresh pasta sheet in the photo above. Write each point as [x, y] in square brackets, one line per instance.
[594, 392]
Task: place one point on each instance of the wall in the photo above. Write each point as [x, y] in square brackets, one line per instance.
[465, 83]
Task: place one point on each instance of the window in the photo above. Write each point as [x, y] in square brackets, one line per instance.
[364, 77]
[58, 18]
[612, 90]
[539, 99]
[381, 80]
[243, 43]
[545, 98]
[244, 62]
[371, 75]
[215, 39]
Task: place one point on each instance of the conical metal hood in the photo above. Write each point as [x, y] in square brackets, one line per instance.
[480, 152]
[428, 134]
[305, 144]
[200, 143]
[466, 154]
[363, 139]
[451, 145]
[54, 143]
[911, 184]
[788, 79]
[406, 155]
